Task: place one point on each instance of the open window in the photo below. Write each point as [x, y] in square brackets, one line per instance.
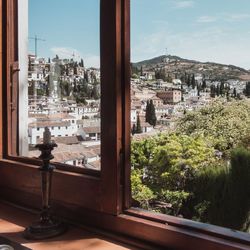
[100, 199]
[104, 183]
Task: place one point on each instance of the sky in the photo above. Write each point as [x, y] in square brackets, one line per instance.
[204, 30]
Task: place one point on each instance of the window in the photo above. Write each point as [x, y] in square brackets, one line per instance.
[111, 188]
[68, 66]
[190, 168]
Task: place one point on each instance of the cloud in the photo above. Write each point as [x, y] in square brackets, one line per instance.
[233, 17]
[183, 4]
[236, 17]
[67, 53]
[207, 19]
[212, 44]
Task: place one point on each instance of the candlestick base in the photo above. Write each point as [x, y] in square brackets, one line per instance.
[44, 229]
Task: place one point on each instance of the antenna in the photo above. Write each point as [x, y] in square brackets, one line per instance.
[36, 39]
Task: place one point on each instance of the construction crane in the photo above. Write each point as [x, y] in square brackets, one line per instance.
[36, 39]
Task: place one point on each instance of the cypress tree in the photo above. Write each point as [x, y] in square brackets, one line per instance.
[82, 63]
[147, 112]
[218, 90]
[212, 91]
[141, 71]
[235, 93]
[153, 119]
[133, 130]
[193, 83]
[247, 91]
[204, 84]
[138, 125]
[222, 88]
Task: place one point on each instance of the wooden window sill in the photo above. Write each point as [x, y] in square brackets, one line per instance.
[14, 220]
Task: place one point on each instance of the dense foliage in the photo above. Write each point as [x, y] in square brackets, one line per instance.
[189, 172]
[226, 123]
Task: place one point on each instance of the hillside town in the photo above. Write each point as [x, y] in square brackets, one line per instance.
[64, 96]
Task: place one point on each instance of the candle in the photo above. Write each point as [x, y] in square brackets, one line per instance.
[46, 136]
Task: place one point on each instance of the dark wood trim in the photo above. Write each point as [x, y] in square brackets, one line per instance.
[11, 60]
[111, 106]
[4, 78]
[79, 189]
[58, 165]
[1, 79]
[150, 232]
[9, 76]
[126, 104]
[221, 232]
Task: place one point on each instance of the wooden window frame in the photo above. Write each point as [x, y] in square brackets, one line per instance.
[102, 199]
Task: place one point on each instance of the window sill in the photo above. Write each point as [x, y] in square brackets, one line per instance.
[208, 229]
[14, 220]
[59, 166]
[78, 198]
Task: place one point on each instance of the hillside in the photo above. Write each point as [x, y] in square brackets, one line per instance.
[179, 66]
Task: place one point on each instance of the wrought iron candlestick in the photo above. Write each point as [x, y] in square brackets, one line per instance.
[47, 226]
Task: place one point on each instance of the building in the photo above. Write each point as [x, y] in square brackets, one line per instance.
[170, 96]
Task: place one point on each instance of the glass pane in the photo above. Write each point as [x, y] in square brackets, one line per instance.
[190, 115]
[64, 80]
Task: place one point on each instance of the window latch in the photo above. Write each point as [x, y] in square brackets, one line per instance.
[14, 67]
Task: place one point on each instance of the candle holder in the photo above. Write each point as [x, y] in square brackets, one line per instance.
[47, 226]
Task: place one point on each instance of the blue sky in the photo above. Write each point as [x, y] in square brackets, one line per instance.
[205, 30]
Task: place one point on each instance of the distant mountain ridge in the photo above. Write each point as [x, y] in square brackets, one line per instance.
[173, 64]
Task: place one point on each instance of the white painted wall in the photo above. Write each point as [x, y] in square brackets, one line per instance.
[23, 75]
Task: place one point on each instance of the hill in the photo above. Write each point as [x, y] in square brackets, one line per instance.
[175, 65]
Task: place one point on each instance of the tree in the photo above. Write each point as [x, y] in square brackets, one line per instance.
[150, 113]
[138, 125]
[147, 115]
[193, 83]
[247, 90]
[169, 163]
[140, 192]
[86, 76]
[133, 130]
[82, 63]
[94, 93]
[153, 119]
[141, 72]
[212, 91]
[225, 123]
[218, 90]
[222, 88]
[204, 84]
[30, 65]
[66, 88]
[234, 93]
